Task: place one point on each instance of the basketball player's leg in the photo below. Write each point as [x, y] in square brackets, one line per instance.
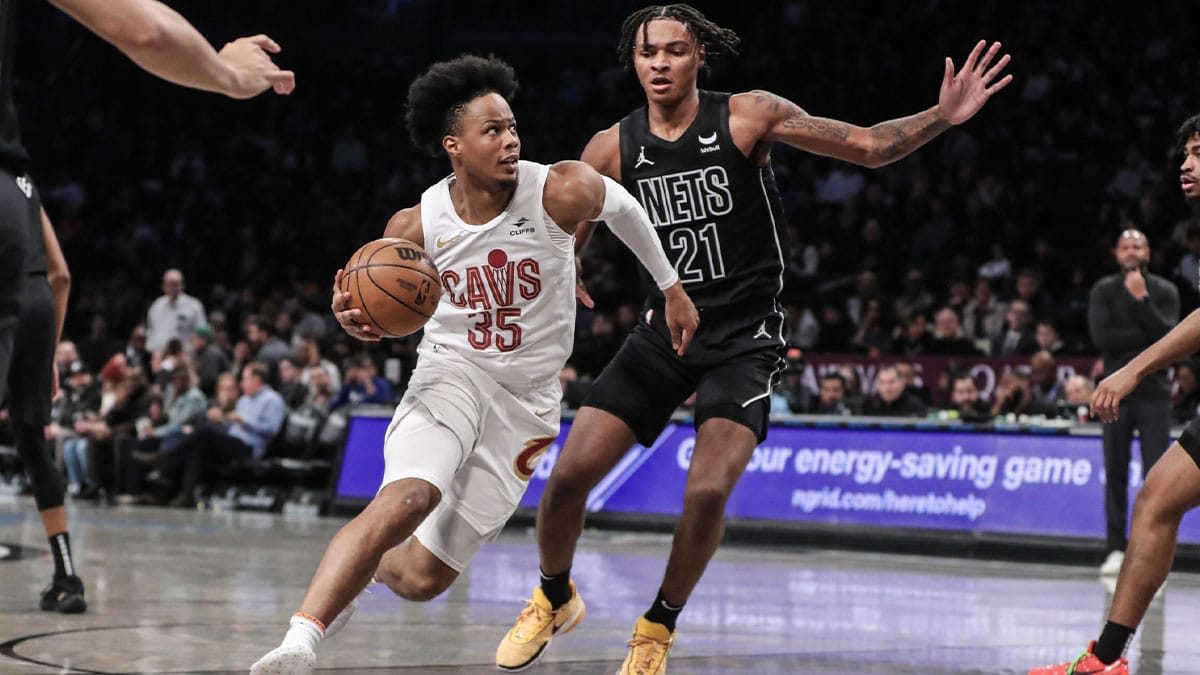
[632, 401]
[29, 405]
[15, 210]
[1172, 489]
[420, 458]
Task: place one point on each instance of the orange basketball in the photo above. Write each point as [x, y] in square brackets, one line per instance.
[394, 283]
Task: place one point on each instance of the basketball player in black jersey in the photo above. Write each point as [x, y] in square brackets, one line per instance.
[31, 314]
[699, 162]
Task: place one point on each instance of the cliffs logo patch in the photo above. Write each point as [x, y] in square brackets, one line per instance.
[527, 461]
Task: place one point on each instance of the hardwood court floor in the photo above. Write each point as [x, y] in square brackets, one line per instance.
[196, 592]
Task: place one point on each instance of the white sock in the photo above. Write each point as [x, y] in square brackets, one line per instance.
[303, 631]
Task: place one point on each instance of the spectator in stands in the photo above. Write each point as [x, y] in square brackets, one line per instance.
[958, 297]
[266, 345]
[135, 353]
[309, 353]
[64, 355]
[1017, 338]
[242, 434]
[291, 388]
[874, 334]
[209, 359]
[1046, 334]
[1185, 399]
[914, 298]
[984, 315]
[80, 401]
[1013, 397]
[836, 330]
[225, 400]
[1078, 389]
[99, 345]
[320, 388]
[1044, 386]
[831, 399]
[948, 338]
[791, 395]
[363, 385]
[912, 384]
[890, 399]
[1028, 287]
[964, 394]
[913, 338]
[866, 286]
[174, 315]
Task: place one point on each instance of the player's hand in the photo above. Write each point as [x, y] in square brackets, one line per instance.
[1106, 400]
[682, 317]
[965, 92]
[256, 72]
[581, 291]
[1135, 283]
[349, 318]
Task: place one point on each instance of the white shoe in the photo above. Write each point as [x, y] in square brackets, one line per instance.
[289, 660]
[1112, 564]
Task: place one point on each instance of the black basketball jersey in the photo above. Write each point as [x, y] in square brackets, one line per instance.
[12, 153]
[717, 214]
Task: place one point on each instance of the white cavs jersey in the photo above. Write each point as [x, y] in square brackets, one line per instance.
[508, 286]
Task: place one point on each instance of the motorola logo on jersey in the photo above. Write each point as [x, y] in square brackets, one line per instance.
[498, 283]
[527, 461]
[686, 196]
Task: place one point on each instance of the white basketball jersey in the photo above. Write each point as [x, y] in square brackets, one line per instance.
[508, 286]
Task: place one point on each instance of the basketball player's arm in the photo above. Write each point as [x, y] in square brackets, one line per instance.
[404, 224]
[162, 42]
[603, 153]
[59, 276]
[576, 192]
[1182, 341]
[761, 116]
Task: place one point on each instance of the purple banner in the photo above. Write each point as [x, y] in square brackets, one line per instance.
[1023, 484]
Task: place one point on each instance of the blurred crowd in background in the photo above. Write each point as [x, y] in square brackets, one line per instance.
[984, 243]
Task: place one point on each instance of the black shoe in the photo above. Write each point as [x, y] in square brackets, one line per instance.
[64, 595]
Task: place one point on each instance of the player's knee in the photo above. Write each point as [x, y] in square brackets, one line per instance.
[706, 496]
[419, 587]
[1155, 503]
[406, 498]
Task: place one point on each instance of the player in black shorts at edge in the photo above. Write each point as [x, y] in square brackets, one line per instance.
[699, 162]
[31, 314]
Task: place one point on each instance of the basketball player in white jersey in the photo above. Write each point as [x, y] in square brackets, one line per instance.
[483, 403]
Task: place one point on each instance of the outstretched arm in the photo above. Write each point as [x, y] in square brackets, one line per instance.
[576, 192]
[1183, 340]
[961, 96]
[162, 42]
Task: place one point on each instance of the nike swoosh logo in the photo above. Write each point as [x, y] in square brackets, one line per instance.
[443, 243]
[543, 413]
[709, 139]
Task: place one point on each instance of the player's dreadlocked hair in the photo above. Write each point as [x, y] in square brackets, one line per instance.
[437, 98]
[716, 40]
[1189, 128]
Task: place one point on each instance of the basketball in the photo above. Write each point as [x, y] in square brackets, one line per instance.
[394, 283]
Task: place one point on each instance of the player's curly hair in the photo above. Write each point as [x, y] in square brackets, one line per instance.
[437, 98]
[1189, 128]
[716, 40]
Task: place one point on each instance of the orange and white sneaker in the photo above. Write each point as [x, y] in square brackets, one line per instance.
[526, 642]
[1085, 664]
[648, 649]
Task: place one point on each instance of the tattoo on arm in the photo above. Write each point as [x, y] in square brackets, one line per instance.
[897, 138]
[796, 118]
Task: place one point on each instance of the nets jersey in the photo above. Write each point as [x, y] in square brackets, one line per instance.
[508, 286]
[717, 214]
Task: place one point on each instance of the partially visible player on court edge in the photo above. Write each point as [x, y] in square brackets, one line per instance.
[32, 383]
[699, 161]
[165, 44]
[483, 403]
[1172, 487]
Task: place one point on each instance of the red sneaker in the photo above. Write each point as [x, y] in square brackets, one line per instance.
[1085, 664]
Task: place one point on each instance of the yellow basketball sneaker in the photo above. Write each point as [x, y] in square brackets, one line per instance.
[648, 649]
[537, 625]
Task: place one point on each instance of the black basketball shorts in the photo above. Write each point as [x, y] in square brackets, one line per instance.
[732, 365]
[32, 367]
[1190, 439]
[20, 210]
